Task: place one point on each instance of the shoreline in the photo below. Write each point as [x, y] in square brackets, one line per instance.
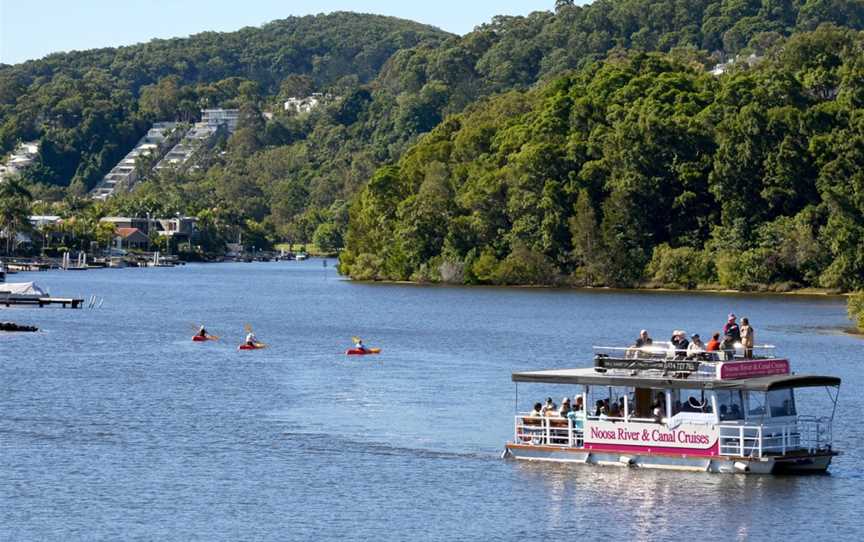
[801, 292]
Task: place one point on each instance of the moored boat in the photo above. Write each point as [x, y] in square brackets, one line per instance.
[647, 408]
[21, 291]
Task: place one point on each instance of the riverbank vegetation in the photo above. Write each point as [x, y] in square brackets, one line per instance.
[856, 309]
[640, 169]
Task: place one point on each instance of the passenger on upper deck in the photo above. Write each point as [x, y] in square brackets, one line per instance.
[643, 340]
[679, 343]
[538, 411]
[728, 347]
[714, 344]
[696, 346]
[731, 329]
[747, 334]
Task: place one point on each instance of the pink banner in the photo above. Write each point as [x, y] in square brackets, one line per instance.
[733, 370]
[687, 436]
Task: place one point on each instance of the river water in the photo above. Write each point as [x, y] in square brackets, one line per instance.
[114, 425]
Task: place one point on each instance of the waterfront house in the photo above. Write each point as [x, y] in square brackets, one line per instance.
[142, 224]
[180, 229]
[132, 238]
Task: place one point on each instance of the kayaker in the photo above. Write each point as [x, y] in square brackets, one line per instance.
[251, 340]
[359, 345]
[202, 332]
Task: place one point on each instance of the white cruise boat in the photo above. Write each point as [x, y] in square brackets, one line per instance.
[648, 407]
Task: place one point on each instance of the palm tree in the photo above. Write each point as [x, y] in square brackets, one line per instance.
[15, 200]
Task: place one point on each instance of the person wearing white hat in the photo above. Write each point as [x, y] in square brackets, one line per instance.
[679, 342]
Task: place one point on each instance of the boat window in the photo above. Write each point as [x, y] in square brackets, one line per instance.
[643, 401]
[781, 403]
[730, 404]
[755, 404]
[691, 401]
[608, 398]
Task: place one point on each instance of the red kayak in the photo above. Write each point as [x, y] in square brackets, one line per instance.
[362, 351]
[199, 338]
[256, 346]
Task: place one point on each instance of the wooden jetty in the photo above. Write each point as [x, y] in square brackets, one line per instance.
[72, 302]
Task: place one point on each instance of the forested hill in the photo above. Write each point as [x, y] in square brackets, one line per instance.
[292, 177]
[89, 107]
[640, 168]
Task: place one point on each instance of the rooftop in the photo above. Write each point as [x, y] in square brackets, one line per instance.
[590, 376]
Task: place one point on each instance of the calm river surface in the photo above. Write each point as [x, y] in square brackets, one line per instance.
[114, 425]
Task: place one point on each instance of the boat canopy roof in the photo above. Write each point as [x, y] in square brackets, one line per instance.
[592, 378]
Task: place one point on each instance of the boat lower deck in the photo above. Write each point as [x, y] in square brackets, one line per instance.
[793, 462]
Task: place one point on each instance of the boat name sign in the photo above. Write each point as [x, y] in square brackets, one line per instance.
[651, 434]
[748, 369]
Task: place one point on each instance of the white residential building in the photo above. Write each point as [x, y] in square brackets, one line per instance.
[214, 118]
[307, 104]
[199, 135]
[123, 175]
[23, 157]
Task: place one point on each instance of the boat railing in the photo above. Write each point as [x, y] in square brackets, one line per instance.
[548, 430]
[664, 360]
[664, 350]
[807, 433]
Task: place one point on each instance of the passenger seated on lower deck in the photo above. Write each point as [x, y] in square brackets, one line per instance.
[735, 413]
[577, 405]
[695, 405]
[577, 414]
[565, 407]
[550, 407]
[600, 406]
[660, 402]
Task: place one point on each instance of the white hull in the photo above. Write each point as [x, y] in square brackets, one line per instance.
[719, 464]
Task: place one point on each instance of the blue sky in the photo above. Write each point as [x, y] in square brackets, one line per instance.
[32, 29]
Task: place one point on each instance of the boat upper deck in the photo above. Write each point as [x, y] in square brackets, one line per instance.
[589, 376]
[661, 367]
